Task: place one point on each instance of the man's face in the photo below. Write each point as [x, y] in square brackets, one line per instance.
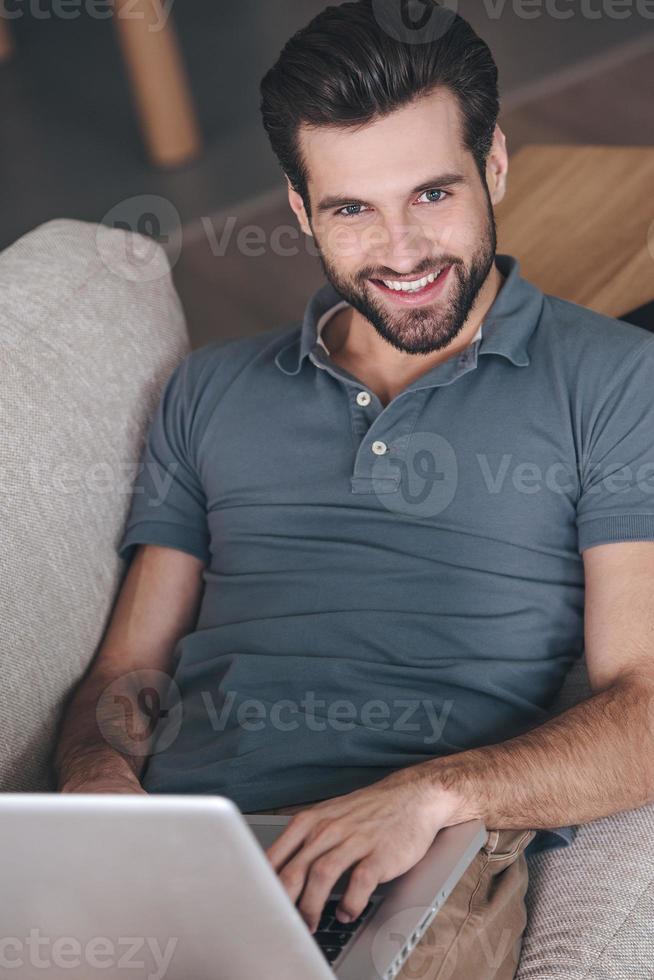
[401, 199]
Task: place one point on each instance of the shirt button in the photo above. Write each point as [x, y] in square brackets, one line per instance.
[363, 398]
[379, 448]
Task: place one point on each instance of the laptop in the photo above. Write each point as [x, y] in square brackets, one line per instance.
[180, 888]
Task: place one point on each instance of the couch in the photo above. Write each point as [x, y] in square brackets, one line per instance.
[90, 328]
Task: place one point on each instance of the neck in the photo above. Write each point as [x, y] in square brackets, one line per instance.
[355, 345]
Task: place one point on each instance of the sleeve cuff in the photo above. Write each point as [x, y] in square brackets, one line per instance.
[166, 535]
[624, 527]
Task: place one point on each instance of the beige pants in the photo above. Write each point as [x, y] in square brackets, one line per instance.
[477, 935]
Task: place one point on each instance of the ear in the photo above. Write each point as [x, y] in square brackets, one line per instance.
[297, 205]
[497, 167]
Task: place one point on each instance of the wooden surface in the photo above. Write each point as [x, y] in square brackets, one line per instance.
[581, 221]
[159, 82]
[6, 41]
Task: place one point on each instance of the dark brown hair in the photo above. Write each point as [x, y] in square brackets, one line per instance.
[349, 66]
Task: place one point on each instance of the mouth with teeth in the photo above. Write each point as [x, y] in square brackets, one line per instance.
[412, 292]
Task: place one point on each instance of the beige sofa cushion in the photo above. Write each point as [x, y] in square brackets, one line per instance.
[591, 906]
[90, 328]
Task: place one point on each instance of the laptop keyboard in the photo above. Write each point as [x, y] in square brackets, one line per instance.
[333, 936]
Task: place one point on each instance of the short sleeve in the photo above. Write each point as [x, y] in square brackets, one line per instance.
[168, 505]
[616, 501]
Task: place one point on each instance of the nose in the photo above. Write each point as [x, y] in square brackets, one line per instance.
[400, 245]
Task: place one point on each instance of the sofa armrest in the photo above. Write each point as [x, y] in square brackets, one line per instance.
[88, 336]
[591, 905]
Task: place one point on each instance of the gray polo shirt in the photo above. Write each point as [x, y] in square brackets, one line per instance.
[387, 584]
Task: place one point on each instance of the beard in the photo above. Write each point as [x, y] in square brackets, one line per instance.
[422, 330]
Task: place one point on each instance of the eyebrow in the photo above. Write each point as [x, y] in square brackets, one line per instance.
[434, 183]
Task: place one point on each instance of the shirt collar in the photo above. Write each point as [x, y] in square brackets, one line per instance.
[507, 327]
[324, 319]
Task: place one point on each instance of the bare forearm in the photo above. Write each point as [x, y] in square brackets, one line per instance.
[92, 741]
[593, 760]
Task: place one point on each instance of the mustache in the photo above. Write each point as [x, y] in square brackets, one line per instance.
[424, 270]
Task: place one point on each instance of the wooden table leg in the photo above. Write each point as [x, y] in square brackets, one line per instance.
[159, 82]
[6, 40]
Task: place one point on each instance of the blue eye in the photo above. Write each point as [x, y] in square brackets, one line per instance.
[354, 210]
[433, 190]
[345, 212]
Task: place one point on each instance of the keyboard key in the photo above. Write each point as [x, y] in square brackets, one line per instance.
[332, 938]
[350, 927]
[331, 952]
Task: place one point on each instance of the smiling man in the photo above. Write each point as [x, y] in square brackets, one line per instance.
[440, 233]
[392, 528]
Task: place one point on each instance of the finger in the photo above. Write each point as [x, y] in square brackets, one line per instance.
[320, 839]
[290, 839]
[364, 879]
[323, 875]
